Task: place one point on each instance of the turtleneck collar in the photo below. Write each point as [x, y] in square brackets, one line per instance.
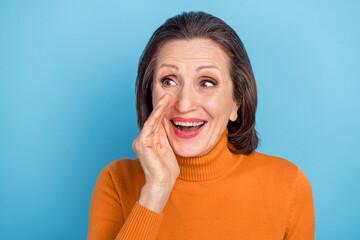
[209, 166]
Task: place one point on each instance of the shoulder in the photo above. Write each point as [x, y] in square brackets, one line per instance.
[125, 168]
[265, 162]
[284, 187]
[123, 171]
[274, 169]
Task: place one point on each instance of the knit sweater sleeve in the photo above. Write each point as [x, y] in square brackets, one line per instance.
[106, 219]
[301, 222]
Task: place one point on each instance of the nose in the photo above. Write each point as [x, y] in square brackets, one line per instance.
[185, 99]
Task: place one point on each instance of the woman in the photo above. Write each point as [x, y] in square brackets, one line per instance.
[198, 175]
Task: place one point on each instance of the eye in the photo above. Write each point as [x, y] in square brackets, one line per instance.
[207, 83]
[167, 81]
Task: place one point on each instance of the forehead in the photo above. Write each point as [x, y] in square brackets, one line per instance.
[193, 52]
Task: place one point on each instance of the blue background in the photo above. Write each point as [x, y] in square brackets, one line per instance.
[67, 101]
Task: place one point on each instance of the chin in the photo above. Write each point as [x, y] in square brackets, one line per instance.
[194, 147]
[188, 150]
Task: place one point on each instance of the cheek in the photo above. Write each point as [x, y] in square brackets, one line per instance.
[218, 106]
[156, 95]
[214, 105]
[159, 91]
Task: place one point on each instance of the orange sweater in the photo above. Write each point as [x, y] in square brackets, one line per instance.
[220, 195]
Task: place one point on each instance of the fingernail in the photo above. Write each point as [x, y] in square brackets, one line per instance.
[157, 108]
[163, 96]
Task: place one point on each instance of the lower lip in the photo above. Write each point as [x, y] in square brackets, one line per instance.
[187, 135]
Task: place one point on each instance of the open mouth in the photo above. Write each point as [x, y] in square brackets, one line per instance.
[188, 126]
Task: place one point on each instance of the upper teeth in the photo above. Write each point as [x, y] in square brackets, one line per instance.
[188, 124]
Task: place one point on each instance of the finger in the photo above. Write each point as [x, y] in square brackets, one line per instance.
[152, 129]
[152, 122]
[163, 139]
[164, 108]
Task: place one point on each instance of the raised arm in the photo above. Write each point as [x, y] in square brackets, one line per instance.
[161, 171]
[106, 214]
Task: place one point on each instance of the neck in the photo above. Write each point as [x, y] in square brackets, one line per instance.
[209, 166]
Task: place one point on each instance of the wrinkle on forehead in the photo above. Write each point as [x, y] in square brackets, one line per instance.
[197, 51]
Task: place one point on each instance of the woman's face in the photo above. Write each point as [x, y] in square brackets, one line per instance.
[196, 73]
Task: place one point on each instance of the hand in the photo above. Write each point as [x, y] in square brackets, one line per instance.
[153, 149]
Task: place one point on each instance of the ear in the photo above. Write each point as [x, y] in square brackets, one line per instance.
[233, 114]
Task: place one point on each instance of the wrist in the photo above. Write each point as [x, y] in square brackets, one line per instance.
[154, 196]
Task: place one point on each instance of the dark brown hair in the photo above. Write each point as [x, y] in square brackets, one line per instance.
[190, 25]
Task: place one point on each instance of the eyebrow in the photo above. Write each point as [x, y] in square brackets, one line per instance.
[197, 69]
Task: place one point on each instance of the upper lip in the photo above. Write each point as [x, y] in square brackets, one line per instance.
[180, 119]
